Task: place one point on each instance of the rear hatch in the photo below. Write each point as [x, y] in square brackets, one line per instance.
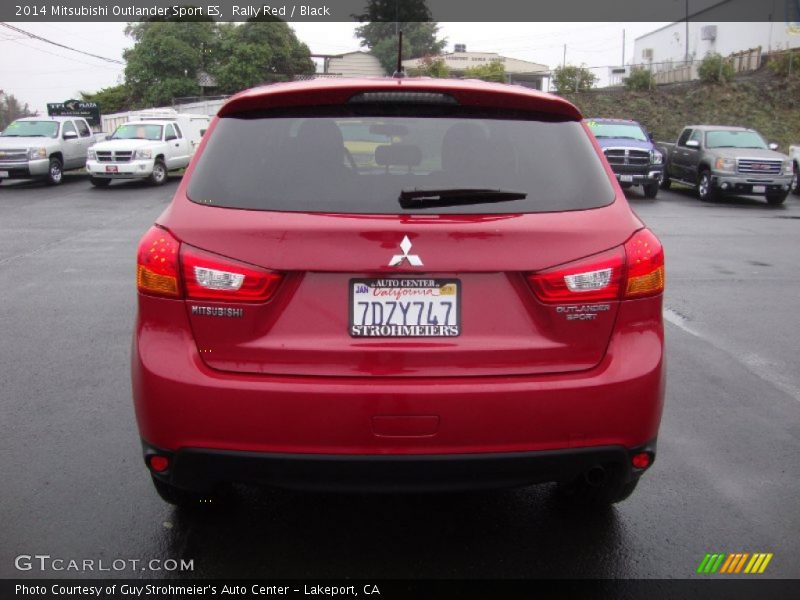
[402, 241]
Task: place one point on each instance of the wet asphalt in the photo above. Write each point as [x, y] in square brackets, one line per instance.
[727, 478]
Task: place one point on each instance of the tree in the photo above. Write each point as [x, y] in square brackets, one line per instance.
[11, 110]
[164, 62]
[715, 69]
[432, 66]
[384, 18]
[493, 71]
[259, 51]
[639, 80]
[111, 99]
[570, 78]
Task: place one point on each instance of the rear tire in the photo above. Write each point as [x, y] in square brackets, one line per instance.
[650, 190]
[55, 172]
[776, 199]
[159, 174]
[99, 181]
[704, 189]
[183, 498]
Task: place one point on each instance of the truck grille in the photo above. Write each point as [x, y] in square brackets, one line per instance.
[760, 166]
[627, 156]
[117, 156]
[13, 155]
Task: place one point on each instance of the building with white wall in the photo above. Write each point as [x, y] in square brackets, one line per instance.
[667, 48]
[522, 72]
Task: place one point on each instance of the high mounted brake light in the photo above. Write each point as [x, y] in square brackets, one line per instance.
[403, 98]
[162, 260]
[633, 270]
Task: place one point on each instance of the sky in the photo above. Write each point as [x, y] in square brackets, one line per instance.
[37, 73]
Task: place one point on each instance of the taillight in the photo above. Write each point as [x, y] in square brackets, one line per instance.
[645, 265]
[208, 276]
[593, 279]
[633, 270]
[157, 263]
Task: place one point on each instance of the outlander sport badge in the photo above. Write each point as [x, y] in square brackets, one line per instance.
[413, 259]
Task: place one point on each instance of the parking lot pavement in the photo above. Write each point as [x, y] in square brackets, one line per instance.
[74, 487]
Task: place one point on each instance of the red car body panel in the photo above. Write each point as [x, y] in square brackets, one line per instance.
[287, 378]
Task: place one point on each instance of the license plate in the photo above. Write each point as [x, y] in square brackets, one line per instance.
[759, 189]
[398, 307]
[112, 169]
[3, 173]
[626, 178]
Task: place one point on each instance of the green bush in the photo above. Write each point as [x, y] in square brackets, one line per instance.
[785, 64]
[569, 79]
[715, 69]
[640, 80]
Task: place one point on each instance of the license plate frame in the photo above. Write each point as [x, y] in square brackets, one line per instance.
[759, 189]
[112, 169]
[4, 174]
[626, 178]
[418, 327]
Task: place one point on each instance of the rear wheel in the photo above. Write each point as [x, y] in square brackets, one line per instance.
[159, 174]
[650, 190]
[99, 181]
[777, 198]
[55, 173]
[182, 498]
[705, 191]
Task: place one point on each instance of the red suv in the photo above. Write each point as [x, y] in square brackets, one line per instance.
[398, 284]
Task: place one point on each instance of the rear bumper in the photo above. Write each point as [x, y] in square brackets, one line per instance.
[227, 426]
[203, 469]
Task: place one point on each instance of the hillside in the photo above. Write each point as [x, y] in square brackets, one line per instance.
[760, 100]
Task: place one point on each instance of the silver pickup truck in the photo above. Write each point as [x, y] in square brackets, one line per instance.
[718, 160]
[45, 147]
[794, 154]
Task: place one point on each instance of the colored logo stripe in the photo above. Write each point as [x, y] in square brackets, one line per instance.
[734, 563]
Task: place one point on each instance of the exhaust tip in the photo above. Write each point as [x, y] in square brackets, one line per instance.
[596, 476]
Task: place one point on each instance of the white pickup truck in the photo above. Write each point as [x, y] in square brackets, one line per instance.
[794, 154]
[45, 147]
[146, 148]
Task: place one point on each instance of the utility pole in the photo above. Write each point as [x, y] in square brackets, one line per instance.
[623, 48]
[686, 56]
[564, 62]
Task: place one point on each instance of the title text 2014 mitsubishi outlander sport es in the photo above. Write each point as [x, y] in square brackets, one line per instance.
[398, 284]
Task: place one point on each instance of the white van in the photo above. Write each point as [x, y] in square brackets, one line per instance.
[148, 146]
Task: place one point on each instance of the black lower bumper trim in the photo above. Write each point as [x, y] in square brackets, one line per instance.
[202, 469]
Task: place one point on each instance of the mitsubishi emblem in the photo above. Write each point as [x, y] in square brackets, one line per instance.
[413, 259]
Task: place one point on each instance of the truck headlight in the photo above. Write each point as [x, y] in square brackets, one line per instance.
[34, 153]
[788, 168]
[143, 153]
[725, 164]
[91, 154]
[656, 158]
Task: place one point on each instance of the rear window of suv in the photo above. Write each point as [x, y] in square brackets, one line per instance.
[362, 163]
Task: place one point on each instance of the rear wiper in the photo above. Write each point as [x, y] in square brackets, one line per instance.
[456, 197]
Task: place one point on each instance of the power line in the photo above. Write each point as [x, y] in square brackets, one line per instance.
[33, 36]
